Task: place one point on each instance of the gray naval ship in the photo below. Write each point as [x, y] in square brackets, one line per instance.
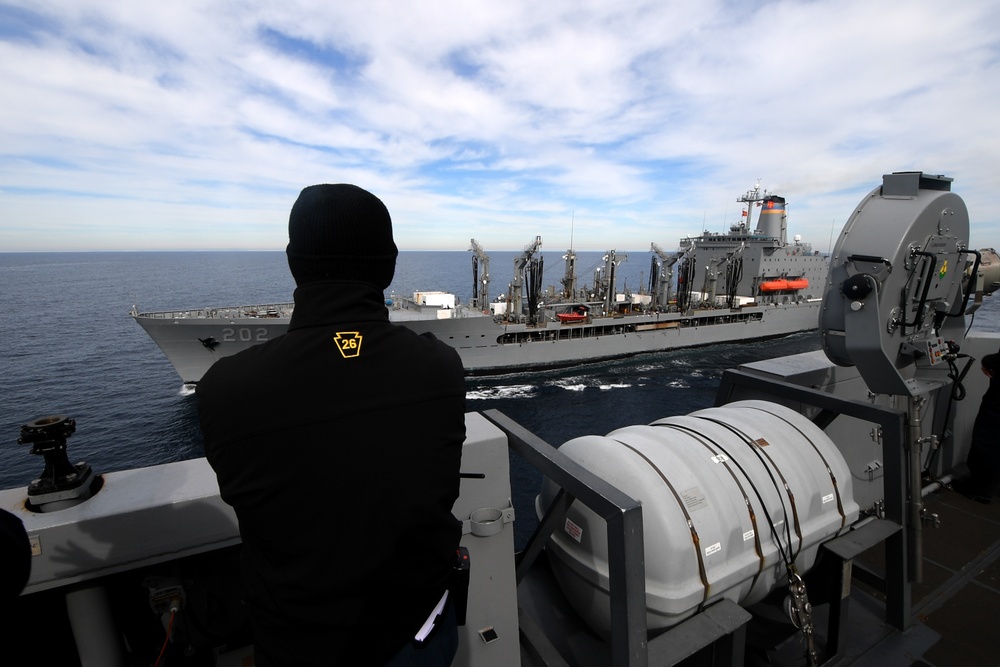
[747, 284]
[805, 519]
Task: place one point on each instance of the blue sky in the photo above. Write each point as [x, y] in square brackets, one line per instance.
[193, 125]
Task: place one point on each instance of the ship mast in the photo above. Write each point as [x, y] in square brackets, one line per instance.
[569, 278]
[751, 197]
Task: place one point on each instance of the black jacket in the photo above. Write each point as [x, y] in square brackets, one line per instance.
[339, 445]
[984, 452]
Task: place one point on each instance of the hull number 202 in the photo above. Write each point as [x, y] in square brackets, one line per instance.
[244, 335]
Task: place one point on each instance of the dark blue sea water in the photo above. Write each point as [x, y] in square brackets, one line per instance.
[69, 347]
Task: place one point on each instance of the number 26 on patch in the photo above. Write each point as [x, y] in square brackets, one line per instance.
[349, 343]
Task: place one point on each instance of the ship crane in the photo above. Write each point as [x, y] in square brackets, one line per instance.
[605, 279]
[712, 279]
[734, 269]
[480, 277]
[734, 274]
[524, 263]
[661, 275]
[685, 277]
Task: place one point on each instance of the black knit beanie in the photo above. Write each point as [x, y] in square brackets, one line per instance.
[340, 232]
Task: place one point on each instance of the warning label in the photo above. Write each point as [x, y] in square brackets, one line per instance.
[573, 530]
[694, 499]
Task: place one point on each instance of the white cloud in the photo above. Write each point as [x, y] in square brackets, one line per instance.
[186, 125]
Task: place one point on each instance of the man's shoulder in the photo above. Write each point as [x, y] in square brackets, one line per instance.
[423, 355]
[435, 346]
[232, 367]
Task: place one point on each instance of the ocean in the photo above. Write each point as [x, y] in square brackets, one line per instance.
[69, 347]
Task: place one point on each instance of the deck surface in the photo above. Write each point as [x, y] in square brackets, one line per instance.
[956, 607]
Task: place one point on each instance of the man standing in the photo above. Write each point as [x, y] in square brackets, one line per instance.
[984, 452]
[338, 444]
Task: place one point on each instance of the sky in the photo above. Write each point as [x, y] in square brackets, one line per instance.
[183, 125]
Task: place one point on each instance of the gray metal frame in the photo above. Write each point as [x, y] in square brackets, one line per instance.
[625, 545]
[900, 547]
[721, 626]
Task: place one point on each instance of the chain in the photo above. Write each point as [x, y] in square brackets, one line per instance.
[800, 613]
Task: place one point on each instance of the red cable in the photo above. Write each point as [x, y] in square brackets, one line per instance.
[170, 628]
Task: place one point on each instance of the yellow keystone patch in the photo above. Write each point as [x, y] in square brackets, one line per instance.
[349, 343]
[944, 270]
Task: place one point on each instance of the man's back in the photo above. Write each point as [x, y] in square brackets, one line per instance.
[339, 445]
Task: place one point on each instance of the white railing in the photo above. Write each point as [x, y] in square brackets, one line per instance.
[264, 311]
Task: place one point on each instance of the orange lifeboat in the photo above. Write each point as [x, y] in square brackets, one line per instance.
[783, 284]
[578, 313]
[774, 285]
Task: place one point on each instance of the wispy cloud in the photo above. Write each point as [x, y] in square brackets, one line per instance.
[194, 125]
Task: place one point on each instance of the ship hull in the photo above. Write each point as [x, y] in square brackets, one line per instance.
[193, 344]
[536, 352]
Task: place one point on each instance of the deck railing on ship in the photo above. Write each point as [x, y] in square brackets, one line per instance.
[264, 311]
